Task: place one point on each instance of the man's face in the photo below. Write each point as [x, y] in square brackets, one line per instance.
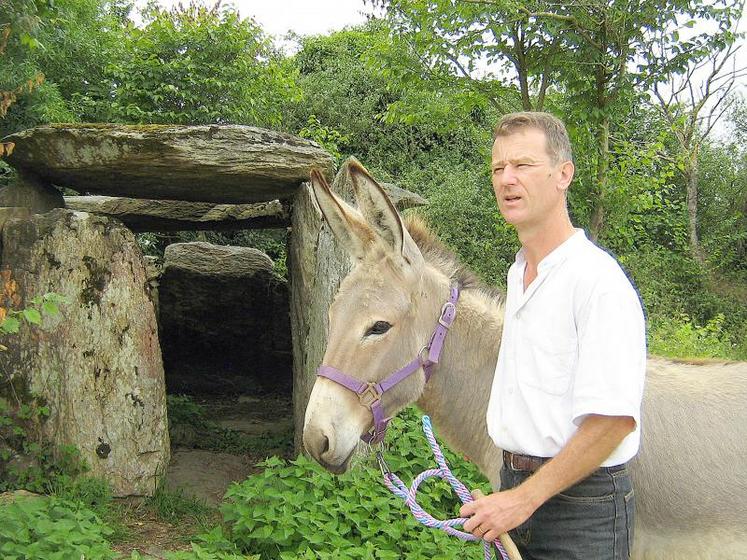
[529, 187]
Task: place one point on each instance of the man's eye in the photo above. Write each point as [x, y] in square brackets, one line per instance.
[379, 327]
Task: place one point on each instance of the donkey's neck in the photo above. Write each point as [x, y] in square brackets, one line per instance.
[456, 397]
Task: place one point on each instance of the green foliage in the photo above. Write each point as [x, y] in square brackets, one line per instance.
[182, 409]
[671, 283]
[584, 62]
[326, 137]
[462, 211]
[339, 92]
[48, 304]
[53, 529]
[722, 204]
[194, 65]
[55, 51]
[679, 337]
[297, 510]
[20, 23]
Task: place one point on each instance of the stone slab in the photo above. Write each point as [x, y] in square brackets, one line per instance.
[403, 199]
[210, 163]
[224, 321]
[141, 215]
[14, 212]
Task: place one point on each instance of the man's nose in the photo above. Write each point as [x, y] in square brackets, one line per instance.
[507, 176]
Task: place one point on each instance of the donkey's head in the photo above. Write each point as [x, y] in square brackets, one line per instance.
[380, 317]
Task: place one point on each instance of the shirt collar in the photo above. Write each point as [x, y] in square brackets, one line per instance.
[558, 254]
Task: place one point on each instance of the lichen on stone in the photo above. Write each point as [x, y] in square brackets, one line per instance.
[95, 283]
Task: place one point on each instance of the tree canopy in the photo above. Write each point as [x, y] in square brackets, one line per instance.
[414, 95]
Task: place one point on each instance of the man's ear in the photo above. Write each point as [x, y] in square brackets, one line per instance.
[381, 214]
[567, 170]
[346, 223]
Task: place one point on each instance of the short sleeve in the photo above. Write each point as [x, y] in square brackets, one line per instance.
[611, 365]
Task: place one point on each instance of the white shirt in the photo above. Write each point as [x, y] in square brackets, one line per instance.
[573, 344]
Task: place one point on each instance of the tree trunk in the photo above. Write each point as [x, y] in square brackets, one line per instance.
[692, 172]
[597, 213]
[520, 63]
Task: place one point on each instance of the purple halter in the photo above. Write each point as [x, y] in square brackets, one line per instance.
[370, 392]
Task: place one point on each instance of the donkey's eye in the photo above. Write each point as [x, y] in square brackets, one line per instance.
[379, 327]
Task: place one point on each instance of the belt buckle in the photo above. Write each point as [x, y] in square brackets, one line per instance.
[512, 456]
[522, 463]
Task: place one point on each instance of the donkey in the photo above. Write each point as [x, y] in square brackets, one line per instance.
[690, 475]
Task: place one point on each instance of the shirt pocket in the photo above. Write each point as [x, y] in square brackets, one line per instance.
[549, 363]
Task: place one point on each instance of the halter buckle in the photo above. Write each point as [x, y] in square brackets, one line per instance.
[444, 310]
[370, 394]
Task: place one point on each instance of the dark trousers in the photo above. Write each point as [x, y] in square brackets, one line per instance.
[592, 520]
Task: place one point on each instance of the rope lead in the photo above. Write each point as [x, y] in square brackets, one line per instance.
[398, 488]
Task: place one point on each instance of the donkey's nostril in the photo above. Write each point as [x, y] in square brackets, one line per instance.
[325, 445]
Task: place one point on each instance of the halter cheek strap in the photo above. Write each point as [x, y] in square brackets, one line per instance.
[370, 393]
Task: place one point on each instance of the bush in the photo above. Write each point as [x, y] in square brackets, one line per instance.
[686, 317]
[52, 528]
[463, 212]
[297, 510]
[679, 337]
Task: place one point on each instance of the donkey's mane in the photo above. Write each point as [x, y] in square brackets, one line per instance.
[443, 259]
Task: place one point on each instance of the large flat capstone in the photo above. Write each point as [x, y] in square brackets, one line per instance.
[211, 163]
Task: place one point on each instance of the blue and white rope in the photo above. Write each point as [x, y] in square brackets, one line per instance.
[398, 488]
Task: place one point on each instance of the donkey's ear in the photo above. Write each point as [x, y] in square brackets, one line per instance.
[346, 223]
[381, 214]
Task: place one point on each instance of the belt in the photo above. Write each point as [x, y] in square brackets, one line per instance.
[518, 462]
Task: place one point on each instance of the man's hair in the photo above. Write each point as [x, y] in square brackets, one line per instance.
[558, 143]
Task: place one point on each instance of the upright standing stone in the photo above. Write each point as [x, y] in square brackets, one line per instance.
[317, 263]
[98, 363]
[224, 320]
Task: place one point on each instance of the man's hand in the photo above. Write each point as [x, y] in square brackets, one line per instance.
[593, 442]
[497, 513]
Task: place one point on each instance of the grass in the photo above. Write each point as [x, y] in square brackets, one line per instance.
[173, 506]
[680, 337]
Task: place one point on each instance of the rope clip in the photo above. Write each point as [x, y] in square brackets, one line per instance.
[385, 470]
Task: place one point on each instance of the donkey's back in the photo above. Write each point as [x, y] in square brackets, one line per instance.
[691, 473]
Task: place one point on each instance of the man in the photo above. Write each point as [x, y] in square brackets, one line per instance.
[565, 402]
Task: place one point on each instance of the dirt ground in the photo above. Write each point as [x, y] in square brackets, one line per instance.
[205, 475]
[152, 536]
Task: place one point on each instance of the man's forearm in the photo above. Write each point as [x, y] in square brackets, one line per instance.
[594, 441]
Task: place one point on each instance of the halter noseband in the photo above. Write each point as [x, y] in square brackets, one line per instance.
[370, 392]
